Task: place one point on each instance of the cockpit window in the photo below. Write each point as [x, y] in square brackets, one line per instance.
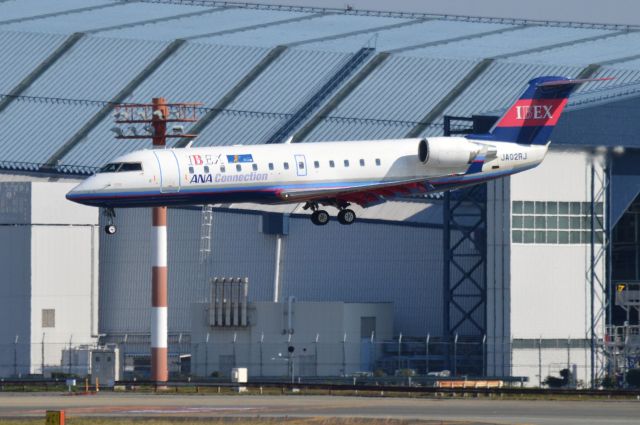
[130, 166]
[118, 167]
[110, 168]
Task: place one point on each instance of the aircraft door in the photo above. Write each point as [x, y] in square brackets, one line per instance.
[301, 165]
[169, 170]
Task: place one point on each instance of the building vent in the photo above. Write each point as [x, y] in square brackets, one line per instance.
[48, 318]
[228, 306]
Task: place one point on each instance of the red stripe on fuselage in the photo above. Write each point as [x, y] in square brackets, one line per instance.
[533, 113]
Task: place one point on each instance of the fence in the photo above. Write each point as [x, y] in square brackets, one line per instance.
[304, 358]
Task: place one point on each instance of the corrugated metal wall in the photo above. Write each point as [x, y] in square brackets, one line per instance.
[195, 73]
[498, 87]
[205, 23]
[408, 35]
[363, 263]
[21, 53]
[402, 88]
[324, 26]
[282, 88]
[87, 71]
[509, 42]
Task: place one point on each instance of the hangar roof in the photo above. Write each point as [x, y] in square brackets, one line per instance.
[340, 74]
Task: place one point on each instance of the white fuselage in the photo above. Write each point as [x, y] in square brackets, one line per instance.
[292, 172]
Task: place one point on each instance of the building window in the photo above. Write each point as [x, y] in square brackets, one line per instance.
[254, 167]
[48, 318]
[554, 222]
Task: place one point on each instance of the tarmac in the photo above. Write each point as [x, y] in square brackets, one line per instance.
[539, 412]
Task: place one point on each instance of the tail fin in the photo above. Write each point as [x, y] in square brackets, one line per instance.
[534, 115]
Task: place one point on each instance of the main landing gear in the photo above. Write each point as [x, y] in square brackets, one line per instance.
[321, 217]
[110, 214]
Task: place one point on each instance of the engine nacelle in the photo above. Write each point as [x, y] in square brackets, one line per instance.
[447, 152]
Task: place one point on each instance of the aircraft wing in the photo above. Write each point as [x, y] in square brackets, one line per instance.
[364, 195]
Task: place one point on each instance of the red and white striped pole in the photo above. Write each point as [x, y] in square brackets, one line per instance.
[159, 301]
[159, 304]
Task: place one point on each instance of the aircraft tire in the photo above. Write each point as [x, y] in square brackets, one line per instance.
[346, 216]
[320, 217]
[110, 229]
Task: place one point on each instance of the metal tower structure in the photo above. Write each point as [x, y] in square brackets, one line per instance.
[465, 267]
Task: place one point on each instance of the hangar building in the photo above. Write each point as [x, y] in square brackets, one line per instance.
[498, 280]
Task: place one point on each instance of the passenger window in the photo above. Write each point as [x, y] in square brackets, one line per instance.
[206, 169]
[378, 161]
[271, 166]
[346, 162]
[238, 167]
[222, 169]
[361, 162]
[316, 164]
[255, 167]
[190, 170]
[286, 165]
[332, 164]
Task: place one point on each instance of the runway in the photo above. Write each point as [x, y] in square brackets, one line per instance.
[540, 412]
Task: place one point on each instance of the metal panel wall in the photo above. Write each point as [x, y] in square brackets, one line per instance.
[324, 26]
[509, 42]
[15, 296]
[87, 71]
[25, 8]
[195, 73]
[63, 280]
[402, 88]
[206, 23]
[21, 54]
[401, 264]
[238, 249]
[368, 263]
[409, 35]
[282, 88]
[119, 14]
[586, 53]
[497, 88]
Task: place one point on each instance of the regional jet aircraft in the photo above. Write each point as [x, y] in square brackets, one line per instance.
[335, 174]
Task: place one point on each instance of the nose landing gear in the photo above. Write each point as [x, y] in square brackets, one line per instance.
[110, 214]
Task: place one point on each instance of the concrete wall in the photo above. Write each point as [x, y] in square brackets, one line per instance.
[533, 362]
[49, 252]
[318, 336]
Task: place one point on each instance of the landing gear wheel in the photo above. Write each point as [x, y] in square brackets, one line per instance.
[346, 216]
[320, 217]
[110, 229]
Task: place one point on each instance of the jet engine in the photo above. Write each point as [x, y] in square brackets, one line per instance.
[447, 152]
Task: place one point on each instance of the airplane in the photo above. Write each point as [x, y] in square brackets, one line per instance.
[335, 174]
